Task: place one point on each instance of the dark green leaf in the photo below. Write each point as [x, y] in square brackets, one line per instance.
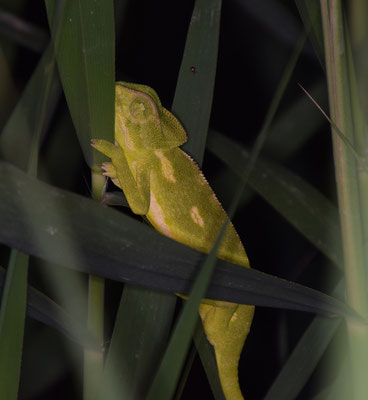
[78, 233]
[132, 359]
[194, 91]
[84, 48]
[304, 358]
[310, 12]
[45, 310]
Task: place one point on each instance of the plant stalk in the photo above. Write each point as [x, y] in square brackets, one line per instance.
[350, 184]
[94, 359]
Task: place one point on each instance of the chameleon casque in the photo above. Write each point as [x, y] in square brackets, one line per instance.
[163, 183]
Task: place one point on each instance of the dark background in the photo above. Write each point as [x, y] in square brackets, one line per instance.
[256, 41]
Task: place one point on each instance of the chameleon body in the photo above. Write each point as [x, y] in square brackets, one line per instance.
[163, 183]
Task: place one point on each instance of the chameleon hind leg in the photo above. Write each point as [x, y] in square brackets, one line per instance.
[226, 326]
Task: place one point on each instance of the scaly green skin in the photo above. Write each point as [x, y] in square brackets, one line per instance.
[163, 183]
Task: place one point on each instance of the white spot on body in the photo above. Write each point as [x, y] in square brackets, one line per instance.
[166, 167]
[134, 167]
[158, 216]
[196, 216]
[51, 230]
[234, 317]
[124, 130]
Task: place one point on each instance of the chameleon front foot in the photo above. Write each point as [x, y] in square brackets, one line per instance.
[104, 147]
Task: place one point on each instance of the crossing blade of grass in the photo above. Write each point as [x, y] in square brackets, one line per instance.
[208, 359]
[142, 324]
[165, 381]
[192, 104]
[84, 46]
[186, 371]
[194, 91]
[302, 205]
[43, 309]
[14, 298]
[150, 259]
[305, 356]
[310, 12]
[359, 36]
[340, 389]
[84, 50]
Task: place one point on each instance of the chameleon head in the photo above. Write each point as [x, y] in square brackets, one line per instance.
[141, 123]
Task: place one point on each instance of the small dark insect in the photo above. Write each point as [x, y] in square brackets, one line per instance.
[193, 69]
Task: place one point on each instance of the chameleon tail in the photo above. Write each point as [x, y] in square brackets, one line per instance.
[226, 326]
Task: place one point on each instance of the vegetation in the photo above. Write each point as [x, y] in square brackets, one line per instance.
[87, 304]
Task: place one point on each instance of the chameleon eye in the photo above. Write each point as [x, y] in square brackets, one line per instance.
[141, 109]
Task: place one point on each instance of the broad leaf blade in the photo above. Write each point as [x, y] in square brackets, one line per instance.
[138, 341]
[84, 51]
[310, 12]
[99, 236]
[194, 91]
[305, 356]
[25, 141]
[43, 309]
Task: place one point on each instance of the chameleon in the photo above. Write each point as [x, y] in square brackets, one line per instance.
[163, 183]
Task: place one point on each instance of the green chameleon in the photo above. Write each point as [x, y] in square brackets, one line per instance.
[163, 183]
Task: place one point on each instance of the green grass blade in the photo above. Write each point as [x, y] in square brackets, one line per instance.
[84, 45]
[186, 371]
[85, 55]
[167, 376]
[13, 304]
[305, 357]
[310, 12]
[194, 90]
[341, 388]
[12, 317]
[193, 101]
[101, 235]
[208, 359]
[41, 308]
[138, 342]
